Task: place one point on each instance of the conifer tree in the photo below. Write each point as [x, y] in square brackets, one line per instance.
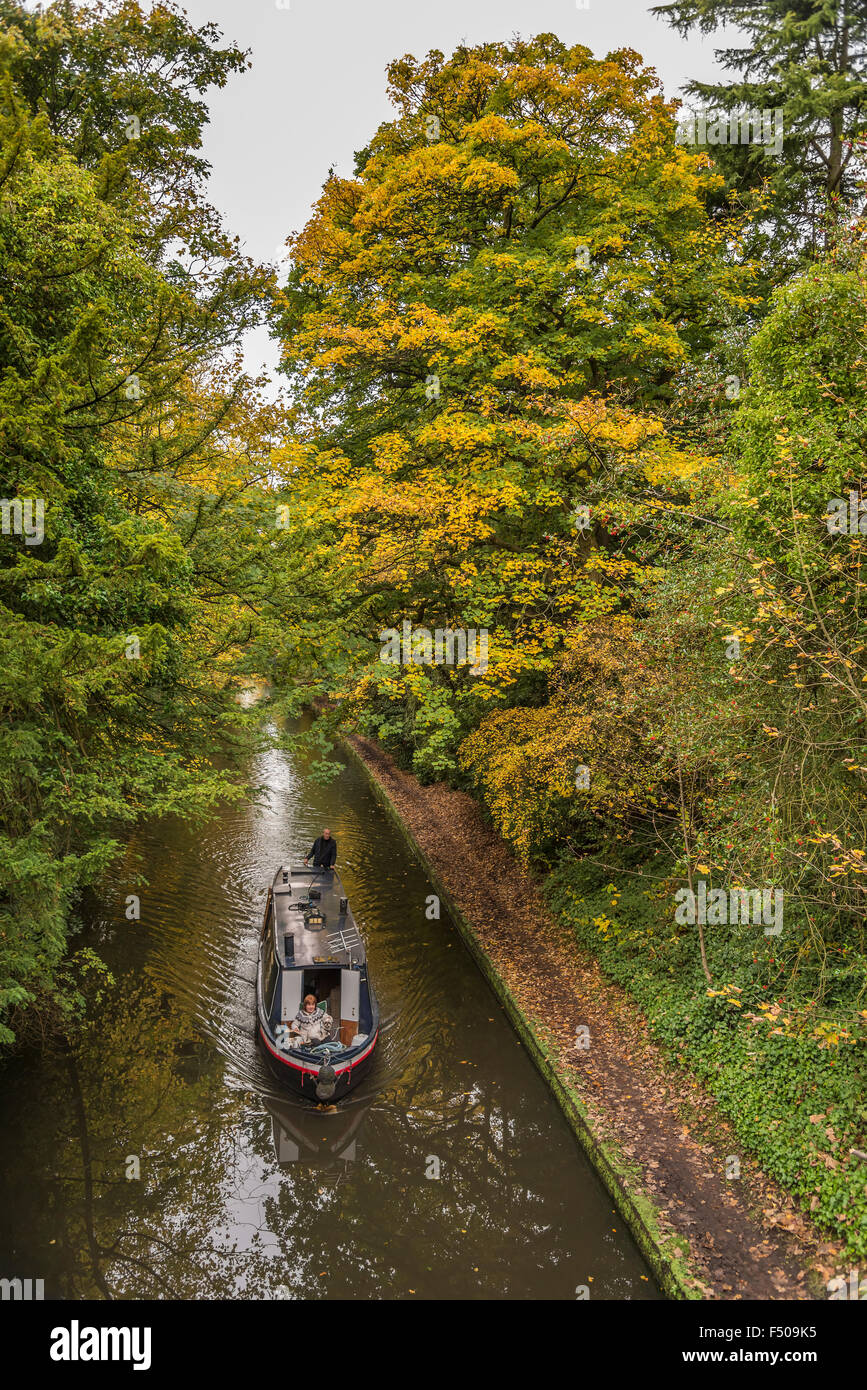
[807, 58]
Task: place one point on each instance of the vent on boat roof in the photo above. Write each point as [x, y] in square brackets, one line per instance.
[343, 940]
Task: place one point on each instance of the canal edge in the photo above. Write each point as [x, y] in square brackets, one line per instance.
[663, 1250]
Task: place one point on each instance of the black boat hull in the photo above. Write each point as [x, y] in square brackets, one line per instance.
[302, 1079]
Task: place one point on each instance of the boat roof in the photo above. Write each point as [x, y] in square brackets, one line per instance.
[321, 933]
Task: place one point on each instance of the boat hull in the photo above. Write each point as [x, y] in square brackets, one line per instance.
[303, 1078]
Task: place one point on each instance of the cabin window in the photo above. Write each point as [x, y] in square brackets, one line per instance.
[269, 980]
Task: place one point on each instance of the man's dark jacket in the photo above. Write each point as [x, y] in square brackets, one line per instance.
[324, 852]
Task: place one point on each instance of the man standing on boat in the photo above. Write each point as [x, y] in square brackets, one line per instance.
[324, 851]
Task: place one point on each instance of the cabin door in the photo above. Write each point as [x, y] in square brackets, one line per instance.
[290, 1001]
[350, 981]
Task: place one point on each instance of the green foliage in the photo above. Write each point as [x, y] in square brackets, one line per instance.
[117, 418]
[122, 89]
[800, 435]
[789, 1076]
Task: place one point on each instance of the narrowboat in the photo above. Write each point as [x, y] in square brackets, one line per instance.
[310, 944]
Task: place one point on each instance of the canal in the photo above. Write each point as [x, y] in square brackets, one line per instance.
[160, 1160]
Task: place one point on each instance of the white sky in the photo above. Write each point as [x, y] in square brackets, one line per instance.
[315, 92]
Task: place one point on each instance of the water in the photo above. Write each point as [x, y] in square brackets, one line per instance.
[162, 1160]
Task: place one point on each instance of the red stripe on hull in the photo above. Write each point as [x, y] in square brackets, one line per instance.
[310, 1071]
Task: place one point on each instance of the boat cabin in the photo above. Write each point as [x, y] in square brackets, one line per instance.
[311, 945]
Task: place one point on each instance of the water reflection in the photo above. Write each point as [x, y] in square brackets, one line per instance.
[324, 1136]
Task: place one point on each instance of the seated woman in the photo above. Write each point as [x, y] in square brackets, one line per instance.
[310, 1025]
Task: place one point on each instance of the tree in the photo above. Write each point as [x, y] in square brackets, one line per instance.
[754, 642]
[132, 462]
[122, 90]
[807, 58]
[572, 767]
[472, 327]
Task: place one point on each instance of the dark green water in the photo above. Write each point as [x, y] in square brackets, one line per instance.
[162, 1161]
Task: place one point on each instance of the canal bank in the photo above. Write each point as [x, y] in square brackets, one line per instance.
[657, 1141]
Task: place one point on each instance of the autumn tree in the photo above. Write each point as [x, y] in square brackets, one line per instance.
[477, 327]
